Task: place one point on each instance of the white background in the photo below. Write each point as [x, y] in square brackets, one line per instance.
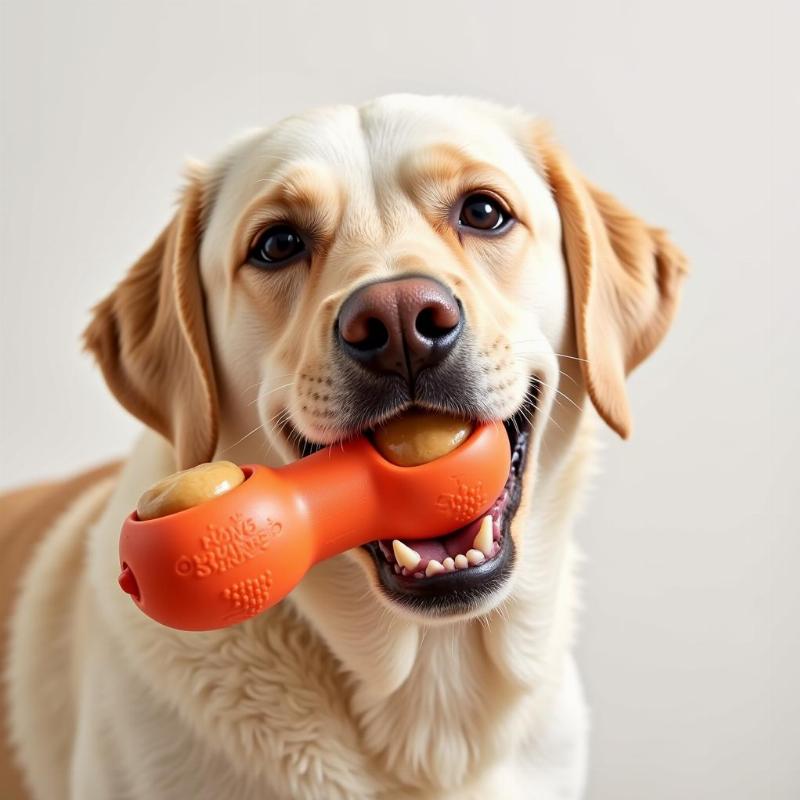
[689, 643]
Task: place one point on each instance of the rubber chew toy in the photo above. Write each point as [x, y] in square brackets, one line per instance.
[230, 558]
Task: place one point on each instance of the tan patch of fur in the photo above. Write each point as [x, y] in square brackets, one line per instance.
[45, 645]
[626, 280]
[149, 337]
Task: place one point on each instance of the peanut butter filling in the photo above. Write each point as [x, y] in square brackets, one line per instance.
[188, 488]
[418, 437]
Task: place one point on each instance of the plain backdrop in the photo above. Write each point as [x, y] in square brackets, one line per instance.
[685, 110]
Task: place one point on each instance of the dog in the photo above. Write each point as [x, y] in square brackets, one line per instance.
[317, 279]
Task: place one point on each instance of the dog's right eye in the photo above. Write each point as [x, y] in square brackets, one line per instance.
[481, 212]
[276, 247]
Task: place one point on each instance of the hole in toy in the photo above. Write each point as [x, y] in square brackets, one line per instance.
[128, 584]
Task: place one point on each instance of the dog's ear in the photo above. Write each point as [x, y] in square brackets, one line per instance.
[625, 279]
[150, 339]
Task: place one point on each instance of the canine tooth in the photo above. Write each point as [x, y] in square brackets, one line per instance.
[433, 568]
[449, 564]
[483, 538]
[405, 555]
[461, 561]
[475, 557]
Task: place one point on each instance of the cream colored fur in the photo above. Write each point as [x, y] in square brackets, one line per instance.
[334, 693]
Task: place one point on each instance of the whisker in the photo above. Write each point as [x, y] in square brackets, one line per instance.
[273, 423]
[259, 383]
[557, 391]
[539, 341]
[569, 377]
[239, 441]
[573, 358]
[279, 419]
[529, 416]
[271, 391]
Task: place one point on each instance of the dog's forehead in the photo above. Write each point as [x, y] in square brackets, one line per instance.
[365, 149]
[374, 140]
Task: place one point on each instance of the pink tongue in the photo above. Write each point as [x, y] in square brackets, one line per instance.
[450, 545]
[428, 550]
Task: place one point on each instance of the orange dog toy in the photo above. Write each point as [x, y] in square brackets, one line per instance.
[230, 558]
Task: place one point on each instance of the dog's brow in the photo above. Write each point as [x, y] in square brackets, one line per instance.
[447, 165]
[443, 161]
[305, 195]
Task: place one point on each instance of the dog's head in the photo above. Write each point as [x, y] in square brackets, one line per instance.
[329, 273]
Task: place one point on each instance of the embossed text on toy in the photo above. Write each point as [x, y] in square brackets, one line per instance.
[227, 546]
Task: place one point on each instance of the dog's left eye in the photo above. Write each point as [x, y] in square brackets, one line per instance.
[276, 247]
[483, 213]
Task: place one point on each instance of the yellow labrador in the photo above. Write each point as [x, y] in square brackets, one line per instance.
[317, 279]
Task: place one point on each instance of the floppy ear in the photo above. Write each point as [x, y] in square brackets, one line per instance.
[149, 337]
[625, 278]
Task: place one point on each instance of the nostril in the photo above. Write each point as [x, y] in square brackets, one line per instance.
[366, 334]
[434, 322]
[376, 336]
[427, 326]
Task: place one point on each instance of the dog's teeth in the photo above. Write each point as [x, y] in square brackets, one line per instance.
[475, 557]
[397, 569]
[483, 539]
[461, 561]
[405, 555]
[433, 568]
[449, 564]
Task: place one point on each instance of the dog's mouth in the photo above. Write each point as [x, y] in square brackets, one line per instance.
[453, 573]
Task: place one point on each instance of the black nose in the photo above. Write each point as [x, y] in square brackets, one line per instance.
[402, 325]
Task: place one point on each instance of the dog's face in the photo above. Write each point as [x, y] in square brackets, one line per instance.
[348, 264]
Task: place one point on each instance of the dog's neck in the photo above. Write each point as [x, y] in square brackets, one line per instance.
[437, 701]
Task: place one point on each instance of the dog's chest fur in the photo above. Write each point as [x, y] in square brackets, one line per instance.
[271, 711]
[325, 696]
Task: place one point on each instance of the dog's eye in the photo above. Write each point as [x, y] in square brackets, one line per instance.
[483, 213]
[275, 247]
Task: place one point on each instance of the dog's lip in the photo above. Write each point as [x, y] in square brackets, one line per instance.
[521, 420]
[300, 446]
[447, 592]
